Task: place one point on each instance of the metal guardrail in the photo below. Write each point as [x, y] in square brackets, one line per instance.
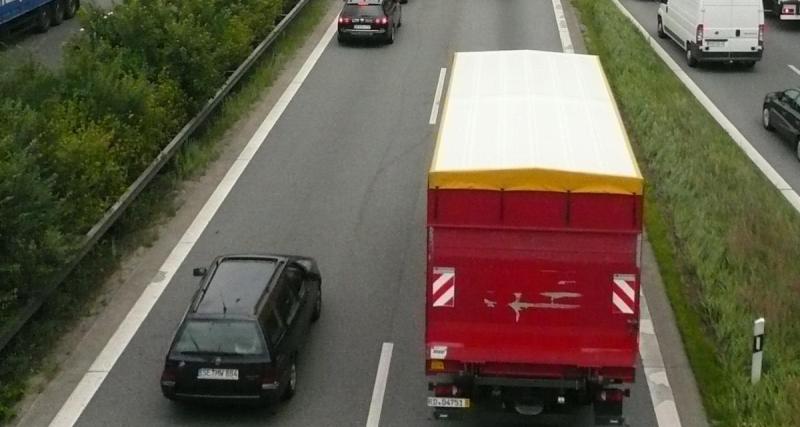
[10, 329]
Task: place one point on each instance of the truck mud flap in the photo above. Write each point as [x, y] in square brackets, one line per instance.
[608, 414]
[448, 414]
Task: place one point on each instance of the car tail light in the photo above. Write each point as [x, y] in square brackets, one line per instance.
[761, 34]
[612, 395]
[699, 35]
[344, 20]
[169, 375]
[382, 20]
[269, 379]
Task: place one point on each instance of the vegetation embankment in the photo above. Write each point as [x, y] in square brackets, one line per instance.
[71, 141]
[726, 240]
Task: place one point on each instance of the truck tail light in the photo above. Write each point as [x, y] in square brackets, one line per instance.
[699, 35]
[761, 34]
[447, 390]
[439, 366]
[612, 395]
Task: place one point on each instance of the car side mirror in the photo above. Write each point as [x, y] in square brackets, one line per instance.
[200, 272]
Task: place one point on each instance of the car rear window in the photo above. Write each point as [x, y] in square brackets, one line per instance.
[220, 336]
[355, 10]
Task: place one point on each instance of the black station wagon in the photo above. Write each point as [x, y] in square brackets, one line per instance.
[240, 338]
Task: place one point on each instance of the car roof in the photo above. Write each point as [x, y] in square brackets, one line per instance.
[236, 284]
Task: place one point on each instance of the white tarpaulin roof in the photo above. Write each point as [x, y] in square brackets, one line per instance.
[532, 120]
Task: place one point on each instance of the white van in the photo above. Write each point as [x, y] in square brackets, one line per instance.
[714, 30]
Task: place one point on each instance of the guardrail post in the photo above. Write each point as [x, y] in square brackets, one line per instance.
[758, 350]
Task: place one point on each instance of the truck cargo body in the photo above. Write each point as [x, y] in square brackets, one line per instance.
[533, 247]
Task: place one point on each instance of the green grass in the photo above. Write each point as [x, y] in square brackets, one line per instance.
[29, 353]
[726, 240]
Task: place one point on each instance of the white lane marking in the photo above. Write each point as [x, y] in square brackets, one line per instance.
[563, 29]
[793, 68]
[93, 379]
[715, 112]
[375, 407]
[655, 372]
[437, 99]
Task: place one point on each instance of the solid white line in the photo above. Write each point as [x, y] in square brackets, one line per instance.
[563, 29]
[655, 371]
[437, 99]
[715, 112]
[375, 407]
[793, 68]
[93, 379]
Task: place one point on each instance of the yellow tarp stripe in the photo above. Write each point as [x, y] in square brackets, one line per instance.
[535, 180]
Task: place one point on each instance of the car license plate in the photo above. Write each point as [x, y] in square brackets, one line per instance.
[217, 374]
[448, 402]
[713, 43]
[362, 27]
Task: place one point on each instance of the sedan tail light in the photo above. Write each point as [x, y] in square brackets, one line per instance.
[699, 35]
[269, 379]
[381, 20]
[344, 20]
[169, 375]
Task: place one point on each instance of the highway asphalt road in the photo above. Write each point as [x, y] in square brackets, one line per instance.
[342, 178]
[738, 92]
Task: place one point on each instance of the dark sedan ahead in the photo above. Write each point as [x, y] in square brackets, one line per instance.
[781, 113]
[369, 19]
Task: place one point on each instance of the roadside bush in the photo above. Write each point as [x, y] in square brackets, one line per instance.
[734, 235]
[71, 141]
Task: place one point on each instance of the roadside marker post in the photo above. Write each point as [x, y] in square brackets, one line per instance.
[758, 350]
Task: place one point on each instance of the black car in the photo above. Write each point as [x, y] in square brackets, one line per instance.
[369, 19]
[240, 338]
[781, 112]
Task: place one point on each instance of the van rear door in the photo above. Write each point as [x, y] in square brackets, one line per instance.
[732, 25]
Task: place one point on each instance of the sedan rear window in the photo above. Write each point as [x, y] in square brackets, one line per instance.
[354, 10]
[230, 337]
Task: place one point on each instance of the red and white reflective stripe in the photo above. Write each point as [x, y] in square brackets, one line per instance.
[443, 288]
[624, 296]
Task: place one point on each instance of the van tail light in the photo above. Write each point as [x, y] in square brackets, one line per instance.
[699, 35]
[761, 34]
[269, 378]
[169, 374]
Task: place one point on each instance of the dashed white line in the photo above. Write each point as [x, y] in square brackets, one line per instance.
[82, 394]
[563, 29]
[375, 407]
[437, 99]
[793, 68]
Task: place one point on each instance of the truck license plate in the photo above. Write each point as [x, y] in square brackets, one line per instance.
[217, 374]
[448, 402]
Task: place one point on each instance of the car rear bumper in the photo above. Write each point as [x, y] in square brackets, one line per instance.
[265, 396]
[349, 32]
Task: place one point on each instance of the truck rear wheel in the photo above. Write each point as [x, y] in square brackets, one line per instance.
[70, 8]
[58, 12]
[44, 16]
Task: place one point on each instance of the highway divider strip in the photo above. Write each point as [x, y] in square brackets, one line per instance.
[82, 395]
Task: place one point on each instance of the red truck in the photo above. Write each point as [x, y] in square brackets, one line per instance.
[534, 222]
